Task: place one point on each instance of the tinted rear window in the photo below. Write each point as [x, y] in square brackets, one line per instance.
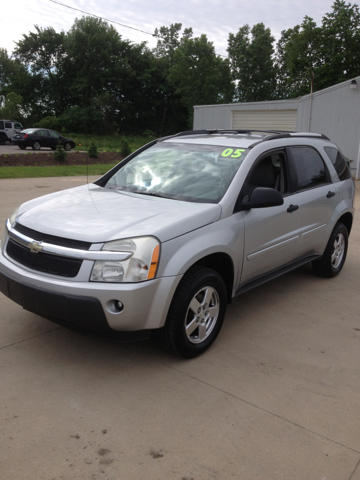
[339, 163]
[309, 166]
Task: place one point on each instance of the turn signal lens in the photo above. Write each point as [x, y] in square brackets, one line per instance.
[154, 262]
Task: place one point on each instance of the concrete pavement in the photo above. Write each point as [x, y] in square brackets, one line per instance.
[276, 397]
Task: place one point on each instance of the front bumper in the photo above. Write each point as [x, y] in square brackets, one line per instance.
[89, 305]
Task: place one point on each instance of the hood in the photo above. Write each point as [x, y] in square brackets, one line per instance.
[95, 214]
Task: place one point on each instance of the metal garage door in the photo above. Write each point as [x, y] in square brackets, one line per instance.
[264, 119]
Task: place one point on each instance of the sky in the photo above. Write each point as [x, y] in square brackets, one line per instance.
[215, 18]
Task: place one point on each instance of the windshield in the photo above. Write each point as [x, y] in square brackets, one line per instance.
[190, 172]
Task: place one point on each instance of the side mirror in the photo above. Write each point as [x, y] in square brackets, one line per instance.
[262, 197]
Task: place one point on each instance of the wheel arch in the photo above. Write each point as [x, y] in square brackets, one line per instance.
[222, 264]
[347, 220]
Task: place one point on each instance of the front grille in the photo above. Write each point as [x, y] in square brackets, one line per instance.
[43, 237]
[43, 262]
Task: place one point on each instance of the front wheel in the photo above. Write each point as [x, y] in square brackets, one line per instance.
[36, 146]
[196, 314]
[67, 147]
[334, 256]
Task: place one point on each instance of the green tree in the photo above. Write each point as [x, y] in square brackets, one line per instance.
[42, 53]
[252, 64]
[199, 75]
[298, 57]
[340, 44]
[12, 107]
[330, 51]
[173, 111]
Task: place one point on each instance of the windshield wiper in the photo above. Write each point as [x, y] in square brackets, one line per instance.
[151, 194]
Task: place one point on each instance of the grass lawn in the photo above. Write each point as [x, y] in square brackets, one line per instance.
[58, 171]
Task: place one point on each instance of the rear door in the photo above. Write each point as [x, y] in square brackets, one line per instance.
[316, 198]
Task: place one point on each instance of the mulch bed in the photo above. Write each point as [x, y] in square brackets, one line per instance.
[46, 158]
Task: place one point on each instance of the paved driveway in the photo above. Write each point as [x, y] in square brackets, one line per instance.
[10, 148]
[276, 397]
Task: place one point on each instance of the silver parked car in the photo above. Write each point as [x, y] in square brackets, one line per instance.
[161, 243]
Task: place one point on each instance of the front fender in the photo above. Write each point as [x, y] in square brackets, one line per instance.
[224, 236]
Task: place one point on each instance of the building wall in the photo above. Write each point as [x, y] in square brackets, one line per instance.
[335, 112]
[220, 116]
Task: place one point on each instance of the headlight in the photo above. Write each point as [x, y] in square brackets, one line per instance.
[12, 219]
[141, 266]
[13, 216]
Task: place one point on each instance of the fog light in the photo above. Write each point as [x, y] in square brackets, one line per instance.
[119, 305]
[115, 306]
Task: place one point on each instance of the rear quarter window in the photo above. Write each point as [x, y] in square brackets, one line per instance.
[339, 163]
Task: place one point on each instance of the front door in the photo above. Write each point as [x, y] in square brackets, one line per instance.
[271, 233]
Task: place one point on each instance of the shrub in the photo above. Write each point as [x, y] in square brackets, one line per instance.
[92, 150]
[60, 154]
[125, 148]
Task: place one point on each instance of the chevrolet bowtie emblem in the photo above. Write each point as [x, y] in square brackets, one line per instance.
[35, 247]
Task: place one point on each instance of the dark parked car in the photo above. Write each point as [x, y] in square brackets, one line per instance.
[41, 137]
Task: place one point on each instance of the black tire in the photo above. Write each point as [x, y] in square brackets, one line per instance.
[334, 256]
[22, 147]
[36, 146]
[67, 146]
[53, 148]
[202, 289]
[2, 140]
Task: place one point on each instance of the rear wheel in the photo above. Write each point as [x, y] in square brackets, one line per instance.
[196, 314]
[334, 256]
[36, 146]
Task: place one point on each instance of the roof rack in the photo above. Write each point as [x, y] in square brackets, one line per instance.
[211, 131]
[296, 134]
[269, 134]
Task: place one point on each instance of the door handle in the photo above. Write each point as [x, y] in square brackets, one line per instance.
[330, 194]
[292, 208]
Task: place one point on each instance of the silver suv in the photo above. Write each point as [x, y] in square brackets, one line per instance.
[161, 243]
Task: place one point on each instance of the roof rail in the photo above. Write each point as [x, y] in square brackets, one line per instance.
[210, 131]
[296, 134]
[269, 134]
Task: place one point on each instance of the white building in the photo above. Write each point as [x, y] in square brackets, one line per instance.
[334, 111]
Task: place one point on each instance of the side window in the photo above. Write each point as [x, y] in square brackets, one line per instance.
[18, 126]
[43, 133]
[1, 125]
[339, 163]
[8, 125]
[54, 134]
[309, 166]
[269, 172]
